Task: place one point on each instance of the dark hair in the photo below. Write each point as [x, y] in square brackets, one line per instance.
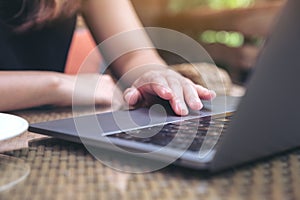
[25, 14]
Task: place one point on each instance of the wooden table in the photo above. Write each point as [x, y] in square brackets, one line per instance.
[65, 170]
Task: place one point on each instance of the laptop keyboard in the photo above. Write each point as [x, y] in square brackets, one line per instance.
[187, 135]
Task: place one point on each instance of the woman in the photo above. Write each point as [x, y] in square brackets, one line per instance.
[35, 37]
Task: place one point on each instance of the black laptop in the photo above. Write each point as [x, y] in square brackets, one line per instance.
[222, 135]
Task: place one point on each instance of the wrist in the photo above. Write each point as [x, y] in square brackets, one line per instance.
[131, 66]
[60, 89]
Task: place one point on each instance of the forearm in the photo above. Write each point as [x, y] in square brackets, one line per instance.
[21, 89]
[125, 44]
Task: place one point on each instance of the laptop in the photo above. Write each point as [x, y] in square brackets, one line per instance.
[228, 132]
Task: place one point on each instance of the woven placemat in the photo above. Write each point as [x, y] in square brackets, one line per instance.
[65, 170]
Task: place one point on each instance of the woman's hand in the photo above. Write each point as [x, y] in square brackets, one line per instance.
[168, 85]
[89, 89]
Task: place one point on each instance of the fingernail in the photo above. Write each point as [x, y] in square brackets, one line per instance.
[213, 93]
[166, 90]
[128, 95]
[127, 98]
[196, 100]
[183, 109]
[196, 104]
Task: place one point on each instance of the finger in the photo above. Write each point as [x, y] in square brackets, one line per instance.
[161, 88]
[205, 93]
[177, 101]
[132, 96]
[154, 84]
[191, 95]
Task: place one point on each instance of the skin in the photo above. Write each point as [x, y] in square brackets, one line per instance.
[143, 74]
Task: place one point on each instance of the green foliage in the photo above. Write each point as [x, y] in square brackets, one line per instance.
[220, 4]
[179, 5]
[230, 39]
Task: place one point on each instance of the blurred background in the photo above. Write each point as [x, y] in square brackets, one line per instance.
[232, 31]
